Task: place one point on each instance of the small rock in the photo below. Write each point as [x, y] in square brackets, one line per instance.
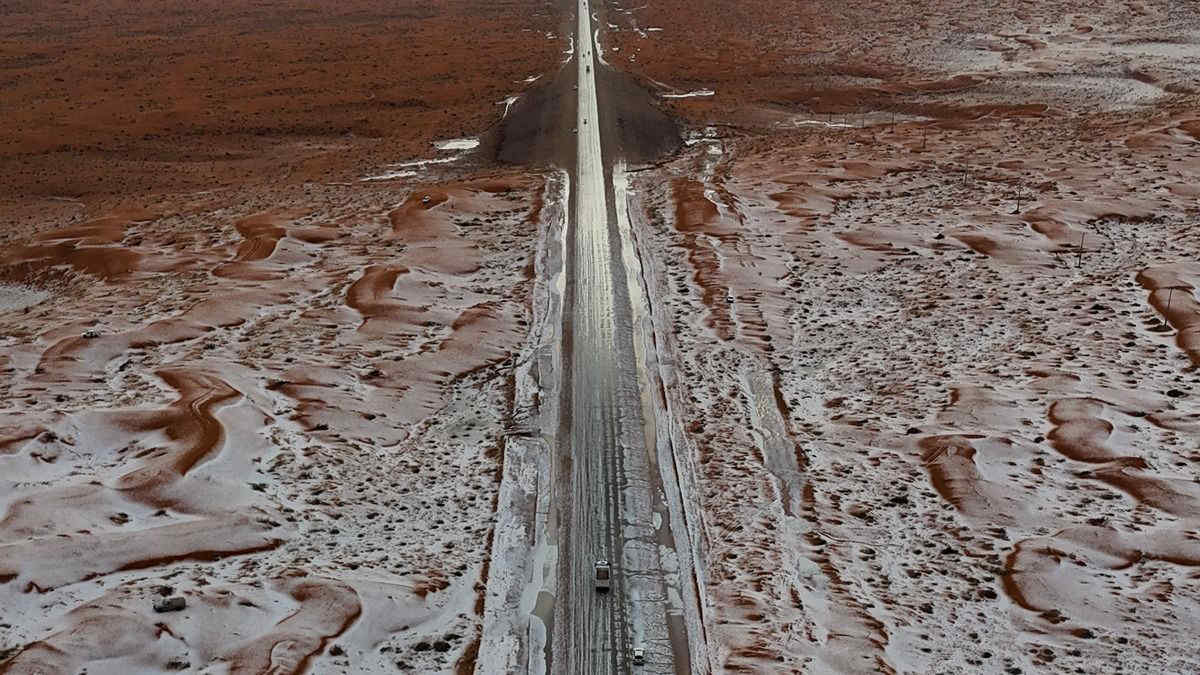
[91, 333]
[174, 604]
[1175, 393]
[336, 650]
[859, 511]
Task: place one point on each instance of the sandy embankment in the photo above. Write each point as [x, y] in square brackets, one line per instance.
[993, 434]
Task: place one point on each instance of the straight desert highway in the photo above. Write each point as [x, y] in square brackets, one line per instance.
[855, 337]
[598, 626]
[608, 494]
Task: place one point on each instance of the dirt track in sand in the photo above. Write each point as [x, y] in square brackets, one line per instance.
[996, 429]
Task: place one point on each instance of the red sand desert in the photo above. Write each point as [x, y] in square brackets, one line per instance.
[988, 455]
[921, 281]
[233, 370]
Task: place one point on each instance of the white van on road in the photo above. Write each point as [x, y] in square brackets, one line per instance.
[603, 576]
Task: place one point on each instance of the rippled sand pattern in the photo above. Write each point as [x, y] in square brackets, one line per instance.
[997, 428]
[291, 417]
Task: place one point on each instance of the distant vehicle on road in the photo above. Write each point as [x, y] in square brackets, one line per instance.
[603, 576]
[639, 656]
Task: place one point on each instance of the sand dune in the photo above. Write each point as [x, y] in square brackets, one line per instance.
[996, 422]
[113, 630]
[286, 400]
[326, 609]
[80, 557]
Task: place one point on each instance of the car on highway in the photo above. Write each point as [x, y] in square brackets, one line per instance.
[639, 656]
[603, 576]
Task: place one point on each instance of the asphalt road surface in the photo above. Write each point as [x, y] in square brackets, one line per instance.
[598, 634]
[609, 490]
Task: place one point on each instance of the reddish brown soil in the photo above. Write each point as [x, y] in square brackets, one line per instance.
[227, 364]
[44, 564]
[327, 608]
[1033, 389]
[982, 313]
[210, 414]
[122, 98]
[108, 629]
[946, 59]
